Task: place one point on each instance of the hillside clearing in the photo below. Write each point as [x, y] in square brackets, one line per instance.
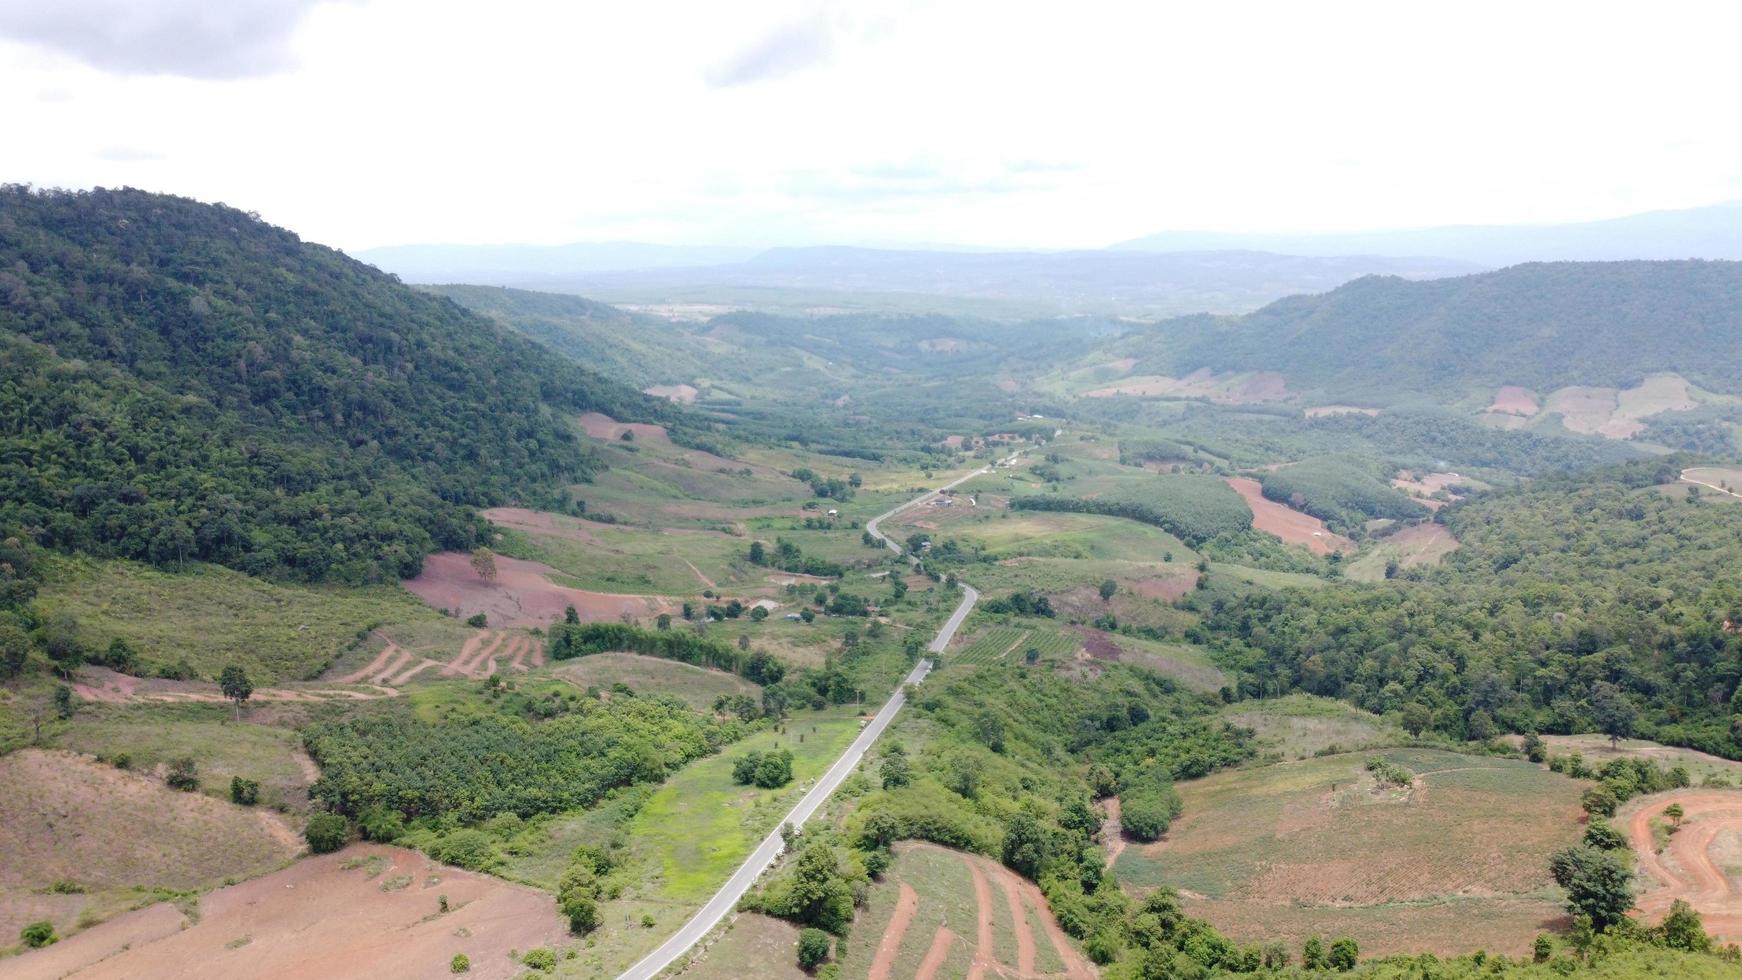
[651, 675]
[1286, 523]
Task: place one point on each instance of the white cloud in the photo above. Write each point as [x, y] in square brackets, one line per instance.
[975, 122]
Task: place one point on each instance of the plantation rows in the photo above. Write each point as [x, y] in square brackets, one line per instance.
[1009, 642]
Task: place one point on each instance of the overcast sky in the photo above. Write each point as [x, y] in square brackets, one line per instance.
[1002, 123]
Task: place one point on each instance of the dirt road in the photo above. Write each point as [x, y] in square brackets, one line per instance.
[1687, 868]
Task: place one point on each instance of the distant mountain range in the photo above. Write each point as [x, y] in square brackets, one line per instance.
[1015, 284]
[1713, 232]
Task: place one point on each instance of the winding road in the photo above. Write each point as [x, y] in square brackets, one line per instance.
[726, 899]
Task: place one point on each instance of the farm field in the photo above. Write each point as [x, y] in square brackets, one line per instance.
[116, 839]
[213, 616]
[284, 925]
[1300, 726]
[615, 558]
[693, 830]
[1456, 862]
[1191, 666]
[1287, 524]
[1416, 545]
[696, 685]
[1011, 644]
[524, 593]
[939, 912]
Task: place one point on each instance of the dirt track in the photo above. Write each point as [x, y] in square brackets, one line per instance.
[1686, 869]
[1112, 831]
[905, 906]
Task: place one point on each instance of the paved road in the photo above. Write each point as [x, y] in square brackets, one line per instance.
[726, 899]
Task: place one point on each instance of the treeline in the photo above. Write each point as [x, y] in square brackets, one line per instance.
[181, 381]
[788, 557]
[1343, 491]
[1191, 507]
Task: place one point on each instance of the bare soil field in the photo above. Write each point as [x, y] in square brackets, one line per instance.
[65, 817]
[1424, 485]
[522, 594]
[1720, 479]
[682, 394]
[602, 426]
[1455, 862]
[1292, 526]
[1418, 544]
[1618, 413]
[1513, 400]
[104, 685]
[940, 912]
[367, 911]
[1691, 868]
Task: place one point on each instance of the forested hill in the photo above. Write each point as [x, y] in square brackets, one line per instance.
[181, 380]
[1542, 326]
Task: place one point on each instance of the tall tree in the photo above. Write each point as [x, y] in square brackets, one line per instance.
[1615, 714]
[236, 686]
[484, 563]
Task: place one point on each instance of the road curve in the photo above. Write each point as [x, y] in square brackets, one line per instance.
[726, 899]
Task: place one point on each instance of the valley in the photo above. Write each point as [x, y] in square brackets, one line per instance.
[857, 644]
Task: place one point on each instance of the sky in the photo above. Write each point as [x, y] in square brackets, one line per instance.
[362, 123]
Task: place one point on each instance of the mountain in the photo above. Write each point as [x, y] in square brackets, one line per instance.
[1541, 326]
[1713, 232]
[183, 381]
[1007, 284]
[529, 265]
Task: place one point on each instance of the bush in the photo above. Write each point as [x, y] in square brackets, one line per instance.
[1343, 955]
[539, 959]
[379, 823]
[469, 848]
[244, 791]
[478, 622]
[1146, 811]
[183, 775]
[38, 934]
[326, 832]
[813, 948]
[461, 963]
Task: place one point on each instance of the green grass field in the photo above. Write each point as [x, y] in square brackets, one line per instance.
[214, 616]
[156, 735]
[649, 675]
[1301, 725]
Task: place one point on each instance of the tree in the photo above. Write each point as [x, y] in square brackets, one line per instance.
[758, 553]
[326, 832]
[1675, 813]
[895, 771]
[813, 948]
[1597, 883]
[1615, 715]
[60, 640]
[572, 617]
[63, 701]
[245, 792]
[1602, 835]
[1682, 929]
[1416, 718]
[1108, 588]
[1312, 954]
[14, 650]
[1025, 845]
[1542, 949]
[484, 563]
[236, 686]
[1599, 800]
[1343, 955]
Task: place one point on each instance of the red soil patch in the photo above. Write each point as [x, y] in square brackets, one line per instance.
[1098, 645]
[1513, 400]
[906, 906]
[1166, 589]
[941, 942]
[544, 522]
[1024, 935]
[521, 595]
[1687, 870]
[316, 919]
[1292, 526]
[116, 936]
[602, 426]
[983, 951]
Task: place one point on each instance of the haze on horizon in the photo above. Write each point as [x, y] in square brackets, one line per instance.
[381, 122]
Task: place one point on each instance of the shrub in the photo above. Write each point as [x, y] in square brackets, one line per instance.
[379, 823]
[1602, 835]
[1343, 955]
[183, 775]
[461, 963]
[478, 622]
[244, 791]
[1147, 811]
[813, 948]
[326, 832]
[38, 934]
[470, 848]
[539, 959]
